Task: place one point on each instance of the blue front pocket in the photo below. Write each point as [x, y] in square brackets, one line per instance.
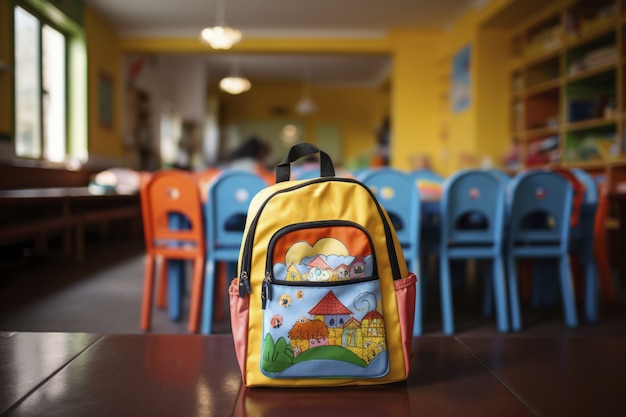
[324, 330]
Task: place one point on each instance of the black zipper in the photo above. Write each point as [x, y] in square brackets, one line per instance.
[246, 258]
[266, 289]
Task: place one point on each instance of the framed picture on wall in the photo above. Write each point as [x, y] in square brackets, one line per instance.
[461, 79]
[105, 100]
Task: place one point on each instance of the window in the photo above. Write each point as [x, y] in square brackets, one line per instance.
[40, 89]
[50, 82]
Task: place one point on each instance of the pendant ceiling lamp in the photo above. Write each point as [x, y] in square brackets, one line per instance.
[234, 83]
[220, 36]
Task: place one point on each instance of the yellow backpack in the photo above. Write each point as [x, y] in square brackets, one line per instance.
[323, 296]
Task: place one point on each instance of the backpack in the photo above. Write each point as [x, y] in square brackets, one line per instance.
[323, 296]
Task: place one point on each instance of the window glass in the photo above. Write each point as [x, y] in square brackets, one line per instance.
[54, 118]
[27, 85]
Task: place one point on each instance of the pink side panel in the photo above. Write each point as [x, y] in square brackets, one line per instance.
[405, 294]
[239, 307]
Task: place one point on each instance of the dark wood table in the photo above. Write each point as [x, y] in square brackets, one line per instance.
[56, 374]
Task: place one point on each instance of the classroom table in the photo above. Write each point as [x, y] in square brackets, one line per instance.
[31, 214]
[75, 374]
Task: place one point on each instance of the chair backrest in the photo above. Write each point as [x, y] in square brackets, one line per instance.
[168, 197]
[578, 189]
[540, 208]
[583, 235]
[396, 193]
[229, 196]
[472, 207]
[591, 186]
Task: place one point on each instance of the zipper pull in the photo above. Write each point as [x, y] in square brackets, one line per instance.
[266, 293]
[244, 285]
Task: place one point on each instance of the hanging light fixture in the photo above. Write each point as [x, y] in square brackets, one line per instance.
[234, 83]
[305, 105]
[220, 36]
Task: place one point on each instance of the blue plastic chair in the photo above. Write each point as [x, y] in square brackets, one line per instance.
[225, 211]
[506, 181]
[472, 227]
[397, 194]
[426, 182]
[581, 244]
[540, 206]
[430, 220]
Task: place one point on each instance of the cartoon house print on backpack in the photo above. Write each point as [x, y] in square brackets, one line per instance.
[317, 254]
[334, 324]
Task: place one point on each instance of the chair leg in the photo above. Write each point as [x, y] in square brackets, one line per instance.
[599, 248]
[208, 297]
[176, 284]
[604, 268]
[591, 291]
[162, 282]
[148, 287]
[516, 319]
[446, 295]
[567, 292]
[499, 287]
[196, 295]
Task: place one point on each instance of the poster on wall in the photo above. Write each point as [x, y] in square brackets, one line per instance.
[461, 79]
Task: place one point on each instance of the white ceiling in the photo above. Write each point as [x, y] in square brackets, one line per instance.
[286, 18]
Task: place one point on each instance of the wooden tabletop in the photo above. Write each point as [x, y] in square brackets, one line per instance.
[57, 374]
[59, 193]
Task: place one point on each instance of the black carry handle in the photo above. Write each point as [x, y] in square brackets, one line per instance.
[300, 150]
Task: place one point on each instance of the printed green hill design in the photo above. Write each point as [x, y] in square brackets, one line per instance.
[279, 356]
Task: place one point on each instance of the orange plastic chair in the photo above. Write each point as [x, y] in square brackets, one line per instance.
[144, 177]
[599, 244]
[170, 193]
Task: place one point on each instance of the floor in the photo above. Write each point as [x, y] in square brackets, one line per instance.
[103, 296]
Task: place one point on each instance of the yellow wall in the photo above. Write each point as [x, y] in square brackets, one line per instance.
[479, 131]
[104, 57]
[414, 95]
